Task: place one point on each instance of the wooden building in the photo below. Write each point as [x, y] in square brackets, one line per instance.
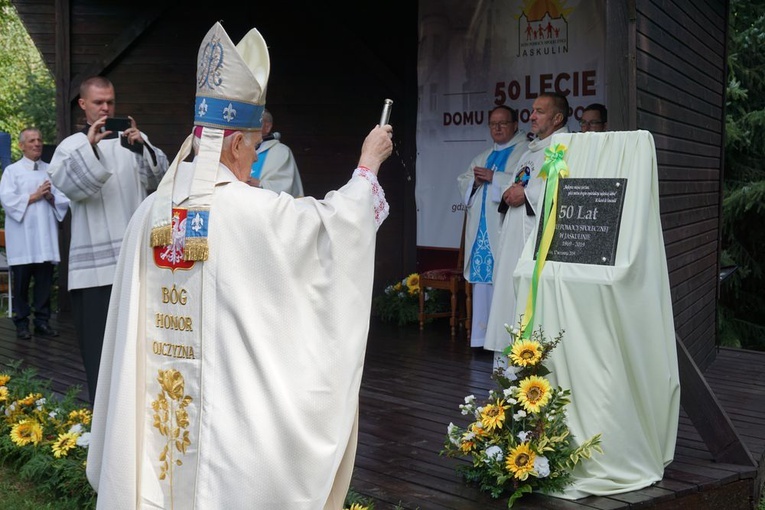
[334, 63]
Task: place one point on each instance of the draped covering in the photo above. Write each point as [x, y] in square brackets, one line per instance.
[618, 355]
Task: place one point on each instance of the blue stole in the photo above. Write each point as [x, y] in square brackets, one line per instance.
[481, 258]
[257, 167]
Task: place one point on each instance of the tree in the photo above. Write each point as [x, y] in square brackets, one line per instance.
[27, 90]
[742, 302]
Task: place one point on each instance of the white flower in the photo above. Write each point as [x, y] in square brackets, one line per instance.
[469, 436]
[53, 414]
[519, 415]
[493, 453]
[84, 440]
[470, 399]
[451, 431]
[523, 435]
[76, 429]
[40, 403]
[427, 296]
[542, 466]
[511, 372]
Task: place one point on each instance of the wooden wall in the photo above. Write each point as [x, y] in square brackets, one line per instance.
[680, 95]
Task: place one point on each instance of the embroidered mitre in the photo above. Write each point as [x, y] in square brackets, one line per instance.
[230, 96]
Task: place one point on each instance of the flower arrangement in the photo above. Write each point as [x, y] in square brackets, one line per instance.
[518, 439]
[400, 301]
[45, 438]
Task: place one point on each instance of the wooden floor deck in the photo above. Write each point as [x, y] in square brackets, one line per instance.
[413, 383]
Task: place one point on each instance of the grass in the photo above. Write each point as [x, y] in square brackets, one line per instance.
[16, 494]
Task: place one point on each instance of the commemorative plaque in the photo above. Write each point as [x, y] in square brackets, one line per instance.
[589, 213]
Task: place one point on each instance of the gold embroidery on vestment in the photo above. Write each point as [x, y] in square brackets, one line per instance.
[172, 420]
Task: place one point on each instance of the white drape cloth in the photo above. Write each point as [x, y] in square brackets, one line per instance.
[618, 354]
[261, 350]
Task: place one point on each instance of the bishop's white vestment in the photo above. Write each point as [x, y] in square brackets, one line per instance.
[233, 383]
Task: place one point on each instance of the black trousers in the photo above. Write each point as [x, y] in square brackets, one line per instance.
[89, 309]
[21, 276]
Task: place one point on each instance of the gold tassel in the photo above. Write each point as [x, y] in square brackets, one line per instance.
[195, 249]
[162, 236]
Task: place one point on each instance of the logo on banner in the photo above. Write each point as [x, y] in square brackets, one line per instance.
[543, 28]
[171, 256]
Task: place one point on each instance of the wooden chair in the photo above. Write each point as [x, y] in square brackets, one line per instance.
[453, 280]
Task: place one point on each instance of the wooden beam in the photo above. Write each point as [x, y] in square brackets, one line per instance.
[621, 71]
[63, 70]
[706, 413]
[118, 46]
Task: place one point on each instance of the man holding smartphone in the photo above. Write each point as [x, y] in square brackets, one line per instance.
[106, 174]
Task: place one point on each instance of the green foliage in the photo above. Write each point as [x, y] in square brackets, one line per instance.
[742, 322]
[518, 440]
[25, 398]
[27, 90]
[400, 301]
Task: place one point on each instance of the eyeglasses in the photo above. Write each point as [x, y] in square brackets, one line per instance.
[590, 123]
[500, 124]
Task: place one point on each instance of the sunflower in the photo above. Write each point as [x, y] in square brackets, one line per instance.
[30, 399]
[526, 353]
[534, 393]
[357, 506]
[467, 443]
[413, 283]
[520, 461]
[478, 429]
[64, 443]
[25, 432]
[493, 415]
[3, 393]
[4, 378]
[81, 416]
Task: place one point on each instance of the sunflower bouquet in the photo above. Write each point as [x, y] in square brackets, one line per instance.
[400, 301]
[518, 440]
[45, 438]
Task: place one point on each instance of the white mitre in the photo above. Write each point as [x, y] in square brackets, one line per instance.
[230, 96]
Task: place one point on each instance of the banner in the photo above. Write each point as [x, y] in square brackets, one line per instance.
[474, 55]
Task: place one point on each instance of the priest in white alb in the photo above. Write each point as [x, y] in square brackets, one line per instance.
[238, 322]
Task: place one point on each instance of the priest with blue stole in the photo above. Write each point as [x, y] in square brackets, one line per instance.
[481, 186]
[238, 323]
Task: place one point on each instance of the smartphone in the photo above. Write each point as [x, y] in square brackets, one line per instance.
[116, 124]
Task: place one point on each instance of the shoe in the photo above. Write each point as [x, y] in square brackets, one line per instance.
[23, 334]
[45, 330]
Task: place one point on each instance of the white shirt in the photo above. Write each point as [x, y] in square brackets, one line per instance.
[31, 229]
